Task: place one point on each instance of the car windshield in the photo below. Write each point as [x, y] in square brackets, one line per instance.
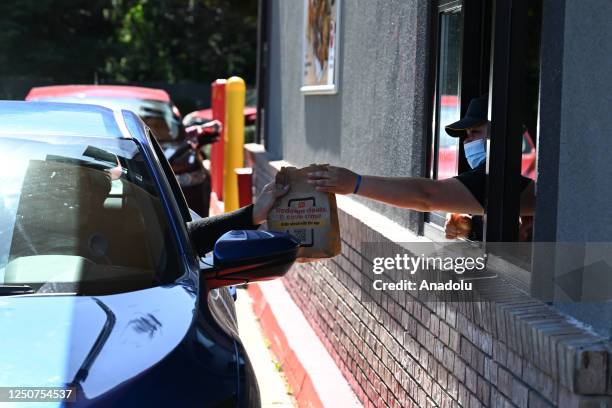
[81, 215]
[158, 115]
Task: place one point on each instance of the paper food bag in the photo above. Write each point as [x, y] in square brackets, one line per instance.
[309, 215]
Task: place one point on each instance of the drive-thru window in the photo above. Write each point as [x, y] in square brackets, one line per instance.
[487, 48]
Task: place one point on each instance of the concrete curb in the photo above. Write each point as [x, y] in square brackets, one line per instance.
[311, 373]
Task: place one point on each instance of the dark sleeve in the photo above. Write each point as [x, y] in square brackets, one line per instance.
[206, 231]
[524, 182]
[475, 181]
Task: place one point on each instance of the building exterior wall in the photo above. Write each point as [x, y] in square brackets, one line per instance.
[500, 349]
[576, 139]
[585, 137]
[514, 351]
[375, 124]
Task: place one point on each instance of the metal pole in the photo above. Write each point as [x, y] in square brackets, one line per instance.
[235, 92]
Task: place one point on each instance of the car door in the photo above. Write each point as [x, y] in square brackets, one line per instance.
[220, 301]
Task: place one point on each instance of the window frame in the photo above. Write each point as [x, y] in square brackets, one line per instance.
[498, 28]
[507, 95]
[435, 220]
[506, 88]
[474, 81]
[174, 185]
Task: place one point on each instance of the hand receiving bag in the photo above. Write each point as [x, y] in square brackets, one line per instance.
[309, 215]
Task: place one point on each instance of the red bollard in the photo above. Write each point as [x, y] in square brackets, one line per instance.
[245, 186]
[216, 149]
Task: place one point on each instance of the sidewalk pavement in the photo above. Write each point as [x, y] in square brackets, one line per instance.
[314, 377]
[272, 385]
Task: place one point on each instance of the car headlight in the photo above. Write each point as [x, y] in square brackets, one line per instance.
[191, 178]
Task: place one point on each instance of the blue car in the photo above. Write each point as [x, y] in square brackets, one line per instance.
[103, 298]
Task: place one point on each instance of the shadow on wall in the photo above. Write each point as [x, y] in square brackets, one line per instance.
[323, 122]
[323, 113]
[273, 136]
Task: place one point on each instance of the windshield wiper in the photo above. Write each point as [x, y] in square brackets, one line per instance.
[105, 333]
[7, 290]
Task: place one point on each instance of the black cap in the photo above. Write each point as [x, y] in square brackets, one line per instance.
[476, 115]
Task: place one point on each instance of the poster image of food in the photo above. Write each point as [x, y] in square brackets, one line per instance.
[322, 18]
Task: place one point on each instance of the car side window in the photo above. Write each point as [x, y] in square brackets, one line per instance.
[176, 189]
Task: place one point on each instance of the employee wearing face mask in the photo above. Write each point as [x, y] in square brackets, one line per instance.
[464, 193]
[473, 130]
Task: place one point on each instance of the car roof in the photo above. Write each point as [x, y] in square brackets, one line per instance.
[110, 91]
[208, 113]
[66, 119]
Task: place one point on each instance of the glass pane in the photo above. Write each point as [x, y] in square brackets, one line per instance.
[449, 71]
[83, 214]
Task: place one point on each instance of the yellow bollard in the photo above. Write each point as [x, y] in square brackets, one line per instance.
[235, 92]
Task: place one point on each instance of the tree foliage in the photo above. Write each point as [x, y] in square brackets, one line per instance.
[128, 40]
[44, 39]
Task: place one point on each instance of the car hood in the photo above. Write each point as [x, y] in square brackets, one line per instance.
[102, 341]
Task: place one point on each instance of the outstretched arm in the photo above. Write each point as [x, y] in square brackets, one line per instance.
[206, 231]
[416, 193]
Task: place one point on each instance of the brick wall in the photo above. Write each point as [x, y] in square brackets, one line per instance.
[502, 349]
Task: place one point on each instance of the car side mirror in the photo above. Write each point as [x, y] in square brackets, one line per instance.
[243, 256]
[204, 134]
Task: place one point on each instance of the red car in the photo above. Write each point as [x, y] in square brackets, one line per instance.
[158, 111]
[205, 115]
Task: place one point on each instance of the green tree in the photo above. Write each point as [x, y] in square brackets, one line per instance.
[74, 41]
[183, 40]
[63, 41]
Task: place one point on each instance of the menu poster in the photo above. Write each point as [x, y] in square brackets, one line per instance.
[321, 22]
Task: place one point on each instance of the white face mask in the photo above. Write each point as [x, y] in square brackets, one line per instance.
[476, 152]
